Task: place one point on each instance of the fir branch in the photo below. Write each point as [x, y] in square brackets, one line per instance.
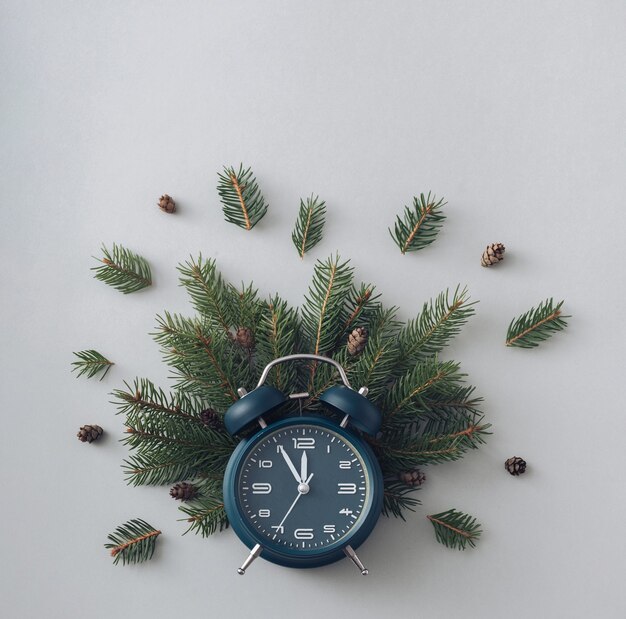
[206, 513]
[455, 529]
[123, 269]
[91, 363]
[310, 224]
[440, 320]
[210, 295]
[398, 498]
[243, 203]
[133, 542]
[536, 325]
[420, 224]
[278, 336]
[324, 304]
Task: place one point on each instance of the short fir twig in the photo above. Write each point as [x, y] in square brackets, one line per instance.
[536, 325]
[91, 363]
[132, 542]
[420, 224]
[455, 529]
[242, 201]
[309, 227]
[123, 269]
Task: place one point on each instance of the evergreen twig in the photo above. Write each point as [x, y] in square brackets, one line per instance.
[455, 529]
[133, 542]
[206, 513]
[536, 325]
[310, 224]
[123, 269]
[398, 498]
[91, 363]
[242, 201]
[420, 224]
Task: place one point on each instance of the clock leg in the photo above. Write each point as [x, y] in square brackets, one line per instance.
[355, 559]
[254, 553]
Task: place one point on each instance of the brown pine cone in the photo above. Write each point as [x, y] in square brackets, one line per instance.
[89, 433]
[492, 254]
[412, 478]
[166, 204]
[245, 338]
[357, 340]
[211, 419]
[183, 491]
[515, 465]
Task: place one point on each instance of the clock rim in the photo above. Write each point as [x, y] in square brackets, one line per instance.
[294, 557]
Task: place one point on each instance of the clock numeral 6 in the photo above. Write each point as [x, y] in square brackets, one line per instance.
[265, 464]
[261, 488]
[264, 513]
[343, 488]
[303, 534]
[329, 528]
[303, 443]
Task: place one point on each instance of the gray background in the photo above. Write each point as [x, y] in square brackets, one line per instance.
[514, 111]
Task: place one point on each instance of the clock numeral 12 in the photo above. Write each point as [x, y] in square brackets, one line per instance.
[303, 443]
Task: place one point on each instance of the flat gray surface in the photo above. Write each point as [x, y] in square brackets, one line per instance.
[513, 111]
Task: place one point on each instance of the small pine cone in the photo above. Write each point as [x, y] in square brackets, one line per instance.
[89, 433]
[211, 419]
[245, 338]
[412, 478]
[492, 254]
[166, 204]
[357, 340]
[183, 491]
[515, 465]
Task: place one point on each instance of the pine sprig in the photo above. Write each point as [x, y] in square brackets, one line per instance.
[242, 201]
[455, 529]
[123, 269]
[431, 330]
[420, 224]
[133, 542]
[206, 514]
[536, 325]
[324, 304]
[309, 226]
[398, 497]
[91, 363]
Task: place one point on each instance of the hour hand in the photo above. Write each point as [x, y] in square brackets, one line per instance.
[292, 468]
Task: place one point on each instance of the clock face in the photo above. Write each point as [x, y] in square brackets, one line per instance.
[303, 488]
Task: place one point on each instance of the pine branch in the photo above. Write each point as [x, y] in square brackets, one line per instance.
[133, 542]
[278, 336]
[243, 203]
[420, 224]
[455, 529]
[123, 269]
[206, 513]
[536, 325]
[91, 363]
[210, 295]
[324, 304]
[310, 224]
[440, 320]
[398, 498]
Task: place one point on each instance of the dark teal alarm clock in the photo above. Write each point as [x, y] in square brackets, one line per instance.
[303, 491]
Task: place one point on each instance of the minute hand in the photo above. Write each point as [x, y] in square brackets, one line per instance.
[282, 522]
[292, 468]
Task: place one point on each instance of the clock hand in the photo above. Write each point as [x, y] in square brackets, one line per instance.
[292, 468]
[304, 465]
[303, 488]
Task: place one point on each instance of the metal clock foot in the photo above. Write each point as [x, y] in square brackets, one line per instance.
[254, 553]
[355, 559]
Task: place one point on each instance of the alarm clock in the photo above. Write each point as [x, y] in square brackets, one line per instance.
[303, 491]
